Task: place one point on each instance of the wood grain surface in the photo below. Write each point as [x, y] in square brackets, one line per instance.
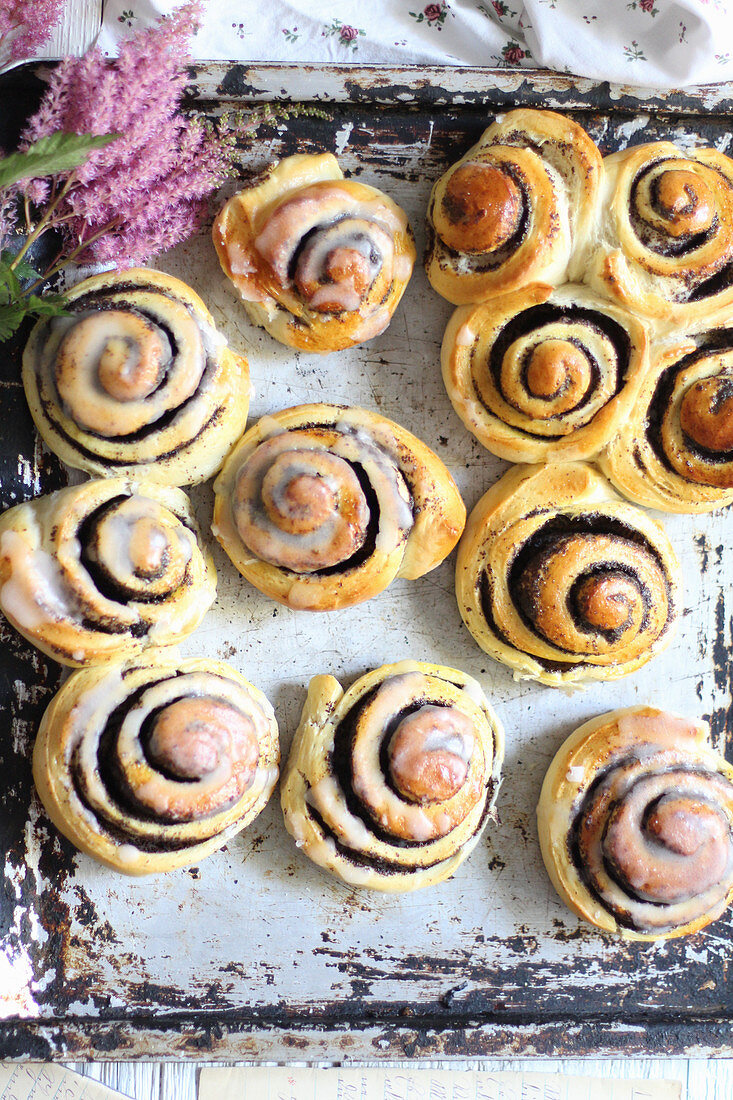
[704, 1079]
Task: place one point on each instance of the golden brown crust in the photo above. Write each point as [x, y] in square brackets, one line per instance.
[156, 763]
[341, 785]
[543, 375]
[103, 570]
[549, 557]
[319, 261]
[508, 213]
[634, 823]
[380, 505]
[675, 451]
[664, 247]
[136, 381]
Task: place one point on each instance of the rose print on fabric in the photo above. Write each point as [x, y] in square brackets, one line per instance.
[514, 53]
[346, 34]
[127, 17]
[432, 14]
[291, 34]
[634, 52]
[643, 5]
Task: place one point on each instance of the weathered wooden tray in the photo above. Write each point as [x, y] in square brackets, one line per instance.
[257, 954]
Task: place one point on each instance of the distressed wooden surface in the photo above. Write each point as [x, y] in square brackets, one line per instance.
[705, 1079]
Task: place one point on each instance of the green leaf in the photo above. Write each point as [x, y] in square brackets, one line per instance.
[22, 269]
[11, 318]
[58, 152]
[51, 305]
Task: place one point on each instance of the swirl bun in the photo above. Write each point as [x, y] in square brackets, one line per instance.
[136, 381]
[562, 581]
[157, 763]
[101, 571]
[321, 262]
[390, 784]
[542, 374]
[635, 821]
[508, 212]
[322, 506]
[665, 245]
[675, 451]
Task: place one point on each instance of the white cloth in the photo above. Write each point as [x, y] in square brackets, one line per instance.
[654, 43]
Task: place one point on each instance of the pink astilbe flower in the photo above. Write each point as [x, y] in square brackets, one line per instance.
[147, 190]
[26, 25]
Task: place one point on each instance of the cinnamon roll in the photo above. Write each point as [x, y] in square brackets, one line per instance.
[322, 506]
[319, 261]
[542, 374]
[665, 243]
[135, 380]
[675, 451]
[389, 785]
[562, 581]
[101, 571]
[156, 763]
[635, 821]
[509, 212]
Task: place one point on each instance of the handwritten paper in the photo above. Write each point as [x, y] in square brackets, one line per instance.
[262, 1083]
[34, 1081]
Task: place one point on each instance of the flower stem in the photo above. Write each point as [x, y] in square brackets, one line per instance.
[59, 264]
[44, 223]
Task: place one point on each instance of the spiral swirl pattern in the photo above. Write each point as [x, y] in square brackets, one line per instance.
[156, 763]
[390, 784]
[322, 506]
[665, 248]
[136, 380]
[102, 570]
[635, 824]
[675, 452]
[562, 581]
[320, 262]
[507, 213]
[542, 375]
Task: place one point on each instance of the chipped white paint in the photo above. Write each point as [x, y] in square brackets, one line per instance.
[341, 140]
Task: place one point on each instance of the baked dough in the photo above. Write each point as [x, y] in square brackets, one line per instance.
[319, 261]
[510, 211]
[322, 506]
[540, 375]
[101, 571]
[635, 821]
[562, 581]
[664, 244]
[390, 784]
[675, 451]
[156, 763]
[136, 381]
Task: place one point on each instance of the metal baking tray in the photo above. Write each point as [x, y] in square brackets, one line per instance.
[257, 953]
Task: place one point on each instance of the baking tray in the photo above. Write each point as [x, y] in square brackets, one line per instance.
[257, 953]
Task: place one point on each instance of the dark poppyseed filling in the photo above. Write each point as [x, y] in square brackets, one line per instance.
[545, 314]
[99, 301]
[368, 546]
[108, 586]
[657, 240]
[340, 762]
[662, 397]
[488, 614]
[116, 787]
[620, 914]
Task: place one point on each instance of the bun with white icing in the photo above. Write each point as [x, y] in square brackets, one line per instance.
[389, 785]
[156, 763]
[135, 380]
[101, 571]
[320, 261]
[635, 823]
[322, 506]
[511, 210]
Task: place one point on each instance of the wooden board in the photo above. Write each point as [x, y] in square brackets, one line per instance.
[256, 954]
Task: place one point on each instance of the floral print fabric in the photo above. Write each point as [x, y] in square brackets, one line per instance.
[659, 43]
